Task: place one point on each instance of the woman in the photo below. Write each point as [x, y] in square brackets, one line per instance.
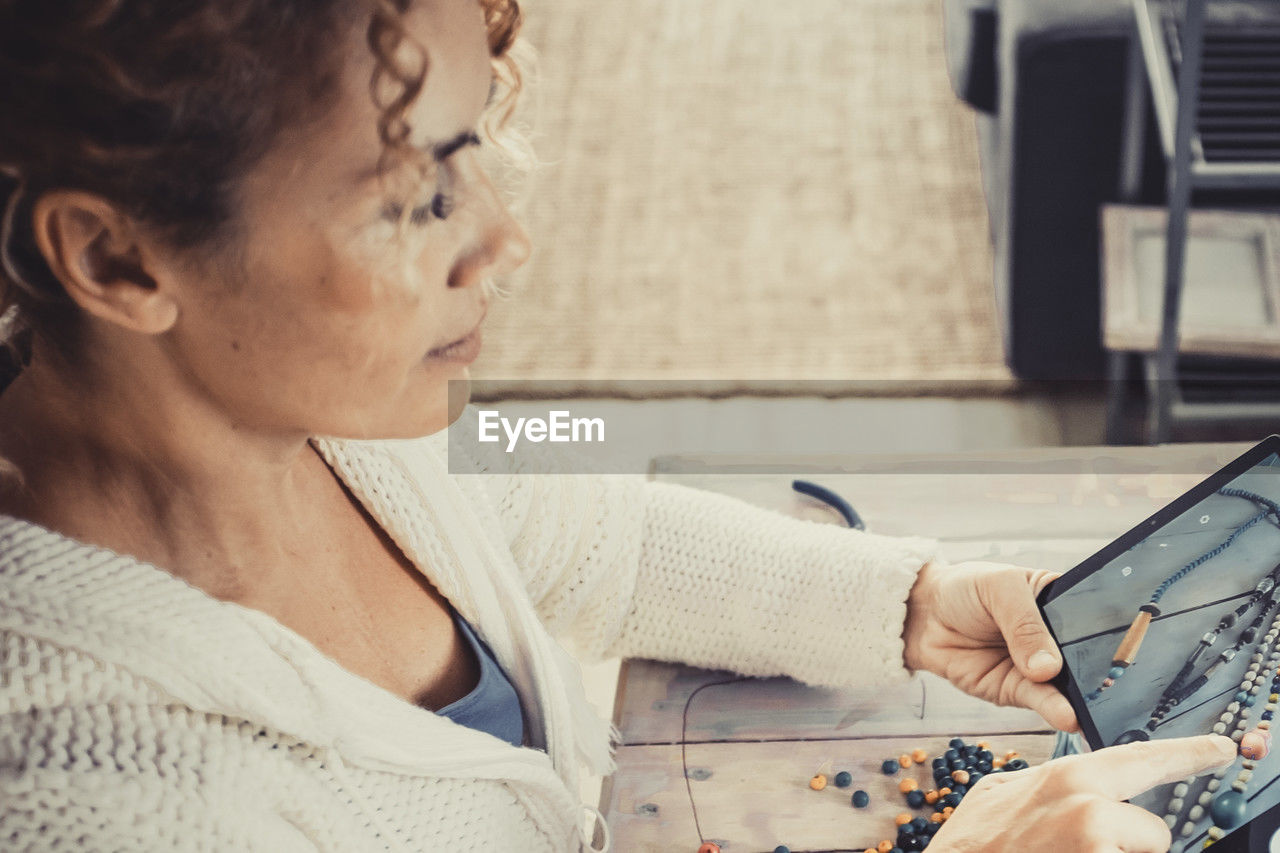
[232, 228]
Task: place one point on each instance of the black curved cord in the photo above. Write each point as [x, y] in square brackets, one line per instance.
[832, 500]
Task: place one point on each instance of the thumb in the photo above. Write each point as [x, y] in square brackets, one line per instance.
[1031, 646]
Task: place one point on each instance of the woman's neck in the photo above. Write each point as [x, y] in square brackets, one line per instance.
[143, 469]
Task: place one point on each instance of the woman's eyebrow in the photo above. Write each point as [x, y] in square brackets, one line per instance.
[440, 151]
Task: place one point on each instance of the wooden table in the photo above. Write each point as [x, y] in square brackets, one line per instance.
[751, 746]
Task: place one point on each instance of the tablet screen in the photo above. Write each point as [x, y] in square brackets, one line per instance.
[1175, 631]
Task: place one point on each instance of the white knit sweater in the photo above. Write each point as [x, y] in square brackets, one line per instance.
[139, 713]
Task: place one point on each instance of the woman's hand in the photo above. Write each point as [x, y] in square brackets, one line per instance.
[977, 625]
[1075, 803]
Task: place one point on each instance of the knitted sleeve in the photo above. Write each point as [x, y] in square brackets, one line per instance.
[71, 779]
[628, 568]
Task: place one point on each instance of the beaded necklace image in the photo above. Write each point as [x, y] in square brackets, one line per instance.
[1127, 651]
[1181, 682]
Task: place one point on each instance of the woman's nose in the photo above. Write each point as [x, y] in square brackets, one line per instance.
[501, 245]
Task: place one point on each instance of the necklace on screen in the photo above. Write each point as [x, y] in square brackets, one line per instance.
[1127, 651]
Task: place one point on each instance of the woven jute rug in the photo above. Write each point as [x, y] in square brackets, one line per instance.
[750, 194]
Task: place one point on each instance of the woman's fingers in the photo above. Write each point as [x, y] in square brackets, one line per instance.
[1131, 829]
[1048, 702]
[1013, 607]
[1123, 772]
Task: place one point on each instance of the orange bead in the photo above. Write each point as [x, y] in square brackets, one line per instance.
[871, 850]
[884, 846]
[709, 848]
[902, 818]
[818, 782]
[931, 797]
[960, 777]
[904, 760]
[999, 762]
[946, 812]
[907, 785]
[936, 817]
[1010, 755]
[942, 792]
[919, 756]
[982, 744]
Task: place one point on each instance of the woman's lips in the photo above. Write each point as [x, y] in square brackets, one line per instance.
[462, 351]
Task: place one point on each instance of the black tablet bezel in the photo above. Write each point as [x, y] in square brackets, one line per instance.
[1087, 567]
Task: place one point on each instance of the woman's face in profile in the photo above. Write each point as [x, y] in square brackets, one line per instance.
[330, 319]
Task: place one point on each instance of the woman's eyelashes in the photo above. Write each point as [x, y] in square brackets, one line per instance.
[439, 207]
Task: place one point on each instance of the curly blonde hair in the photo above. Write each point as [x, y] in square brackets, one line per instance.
[161, 108]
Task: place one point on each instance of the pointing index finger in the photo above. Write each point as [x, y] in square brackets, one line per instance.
[1122, 772]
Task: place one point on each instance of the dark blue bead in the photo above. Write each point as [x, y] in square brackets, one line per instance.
[985, 755]
[973, 778]
[969, 750]
[951, 755]
[915, 842]
[930, 828]
[860, 799]
[918, 824]
[952, 799]
[915, 799]
[1016, 764]
[889, 766]
[843, 779]
[1267, 715]
[895, 850]
[1228, 809]
[782, 848]
[1131, 736]
[983, 766]
[959, 790]
[925, 839]
[939, 762]
[956, 743]
[956, 765]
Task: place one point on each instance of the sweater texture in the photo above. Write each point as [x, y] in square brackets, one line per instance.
[139, 713]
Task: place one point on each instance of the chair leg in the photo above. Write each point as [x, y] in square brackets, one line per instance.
[1134, 132]
[1166, 377]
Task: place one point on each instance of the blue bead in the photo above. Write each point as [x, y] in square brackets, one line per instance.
[918, 824]
[1115, 672]
[915, 799]
[1267, 715]
[889, 767]
[782, 848]
[1228, 809]
[1251, 701]
[956, 743]
[1241, 696]
[1130, 736]
[843, 779]
[860, 799]
[896, 850]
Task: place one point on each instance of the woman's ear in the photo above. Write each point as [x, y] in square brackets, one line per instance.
[99, 257]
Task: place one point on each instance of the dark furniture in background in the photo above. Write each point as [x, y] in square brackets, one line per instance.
[1047, 79]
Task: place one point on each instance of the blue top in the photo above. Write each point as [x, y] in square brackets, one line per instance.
[493, 705]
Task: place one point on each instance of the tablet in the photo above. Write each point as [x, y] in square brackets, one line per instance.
[1174, 629]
